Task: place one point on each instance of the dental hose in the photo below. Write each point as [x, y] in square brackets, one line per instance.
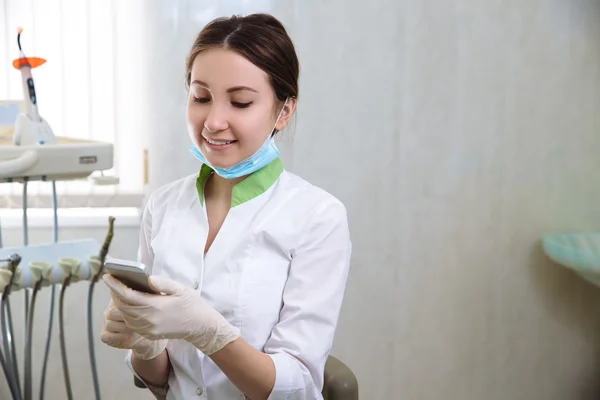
[52, 296]
[7, 375]
[5, 361]
[3, 364]
[7, 330]
[26, 291]
[91, 342]
[14, 389]
[94, 279]
[25, 240]
[11, 344]
[28, 342]
[61, 334]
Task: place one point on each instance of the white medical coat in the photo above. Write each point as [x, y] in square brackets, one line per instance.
[277, 270]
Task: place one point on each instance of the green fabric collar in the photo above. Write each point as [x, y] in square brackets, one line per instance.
[254, 185]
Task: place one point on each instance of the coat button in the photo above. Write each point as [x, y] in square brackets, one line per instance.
[199, 391]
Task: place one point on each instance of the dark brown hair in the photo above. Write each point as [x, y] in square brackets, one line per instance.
[262, 40]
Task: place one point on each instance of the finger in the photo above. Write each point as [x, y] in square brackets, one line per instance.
[135, 313]
[116, 327]
[165, 285]
[122, 304]
[138, 324]
[117, 340]
[114, 314]
[121, 292]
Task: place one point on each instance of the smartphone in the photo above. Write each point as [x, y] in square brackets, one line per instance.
[132, 273]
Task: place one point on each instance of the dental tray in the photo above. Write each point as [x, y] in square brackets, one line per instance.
[579, 251]
[67, 160]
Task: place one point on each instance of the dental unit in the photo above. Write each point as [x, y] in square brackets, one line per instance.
[33, 152]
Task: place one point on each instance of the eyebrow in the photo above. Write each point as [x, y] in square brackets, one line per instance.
[230, 90]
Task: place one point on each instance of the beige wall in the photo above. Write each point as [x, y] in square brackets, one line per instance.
[456, 133]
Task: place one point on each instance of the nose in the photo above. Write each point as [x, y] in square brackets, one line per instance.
[216, 119]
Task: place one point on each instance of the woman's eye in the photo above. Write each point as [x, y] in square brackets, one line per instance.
[201, 99]
[240, 105]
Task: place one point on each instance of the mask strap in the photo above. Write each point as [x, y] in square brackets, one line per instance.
[274, 131]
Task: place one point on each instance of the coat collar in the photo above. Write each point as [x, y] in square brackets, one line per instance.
[253, 186]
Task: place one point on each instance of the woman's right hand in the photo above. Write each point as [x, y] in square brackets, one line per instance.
[116, 334]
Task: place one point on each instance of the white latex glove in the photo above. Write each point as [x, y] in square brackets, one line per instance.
[179, 313]
[116, 334]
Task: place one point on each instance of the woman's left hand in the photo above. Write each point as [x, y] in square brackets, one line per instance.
[179, 313]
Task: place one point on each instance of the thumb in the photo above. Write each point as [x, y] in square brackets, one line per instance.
[165, 285]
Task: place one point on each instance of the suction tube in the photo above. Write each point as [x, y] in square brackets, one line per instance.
[52, 296]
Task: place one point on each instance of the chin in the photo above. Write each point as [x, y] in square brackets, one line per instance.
[221, 162]
[223, 159]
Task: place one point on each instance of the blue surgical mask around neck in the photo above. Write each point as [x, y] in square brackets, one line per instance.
[261, 158]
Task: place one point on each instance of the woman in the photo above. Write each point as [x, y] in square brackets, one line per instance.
[252, 260]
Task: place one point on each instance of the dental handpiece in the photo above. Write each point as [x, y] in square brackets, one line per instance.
[98, 262]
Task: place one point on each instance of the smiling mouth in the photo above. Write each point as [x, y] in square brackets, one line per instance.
[219, 142]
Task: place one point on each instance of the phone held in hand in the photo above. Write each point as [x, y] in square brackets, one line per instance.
[132, 274]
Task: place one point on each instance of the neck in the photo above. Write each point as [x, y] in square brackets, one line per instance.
[217, 186]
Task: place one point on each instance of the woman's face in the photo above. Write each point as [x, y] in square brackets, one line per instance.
[231, 108]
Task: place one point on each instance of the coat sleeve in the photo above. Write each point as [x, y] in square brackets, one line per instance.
[302, 339]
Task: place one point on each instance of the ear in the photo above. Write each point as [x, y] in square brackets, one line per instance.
[286, 114]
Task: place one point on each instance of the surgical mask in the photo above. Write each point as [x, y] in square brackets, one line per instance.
[261, 158]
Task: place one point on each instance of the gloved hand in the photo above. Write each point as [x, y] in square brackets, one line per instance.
[116, 334]
[179, 313]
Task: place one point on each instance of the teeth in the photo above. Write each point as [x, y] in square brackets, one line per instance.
[217, 143]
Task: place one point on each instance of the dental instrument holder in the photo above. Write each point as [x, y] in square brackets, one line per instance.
[53, 253]
[29, 131]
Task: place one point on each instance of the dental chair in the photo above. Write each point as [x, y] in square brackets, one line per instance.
[340, 382]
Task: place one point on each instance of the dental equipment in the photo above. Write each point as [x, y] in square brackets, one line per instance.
[5, 279]
[7, 327]
[26, 292]
[30, 128]
[8, 274]
[52, 293]
[82, 263]
[33, 152]
[96, 268]
[38, 270]
[68, 266]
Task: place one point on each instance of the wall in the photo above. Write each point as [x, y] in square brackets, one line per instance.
[456, 133]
